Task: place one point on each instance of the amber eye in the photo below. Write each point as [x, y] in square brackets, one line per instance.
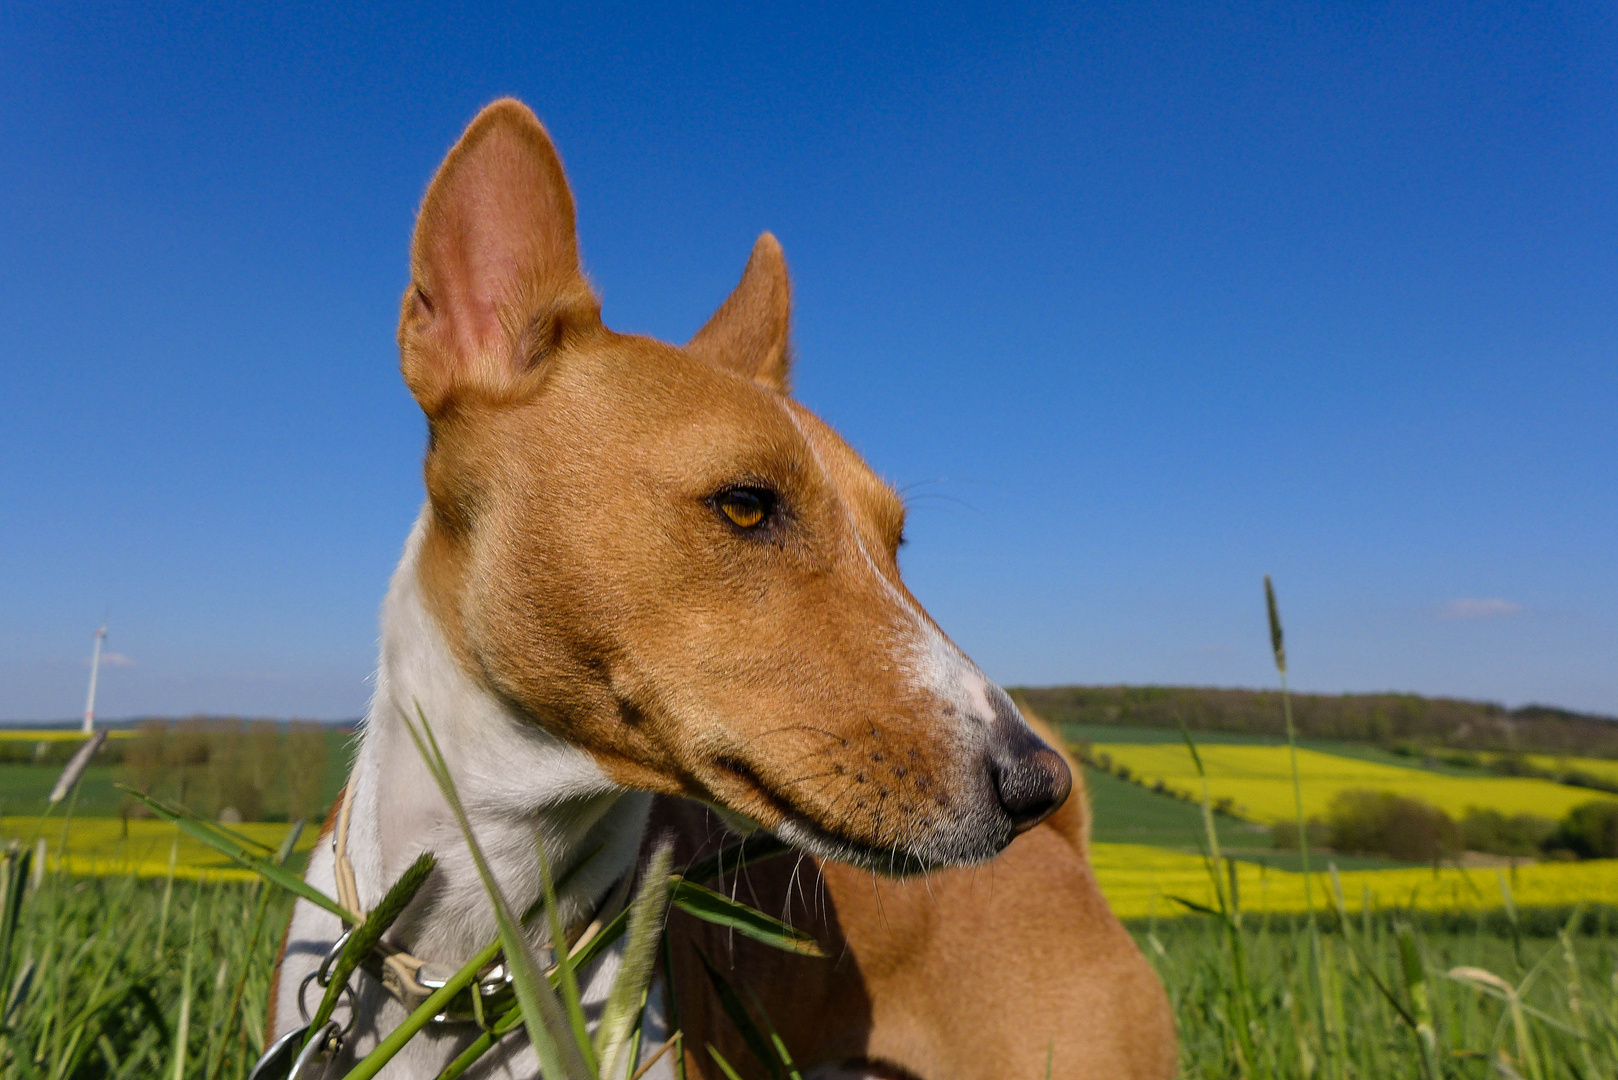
[747, 508]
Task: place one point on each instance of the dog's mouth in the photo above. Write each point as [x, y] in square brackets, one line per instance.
[922, 847]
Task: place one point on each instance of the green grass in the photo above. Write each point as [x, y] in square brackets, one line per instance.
[109, 974]
[86, 935]
[1127, 813]
[1359, 1033]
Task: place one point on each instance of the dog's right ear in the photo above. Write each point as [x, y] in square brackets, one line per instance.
[751, 333]
[495, 282]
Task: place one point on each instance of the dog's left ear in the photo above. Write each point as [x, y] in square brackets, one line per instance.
[751, 333]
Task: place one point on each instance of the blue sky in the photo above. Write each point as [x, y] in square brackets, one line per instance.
[1136, 303]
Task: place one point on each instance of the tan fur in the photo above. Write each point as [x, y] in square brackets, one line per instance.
[964, 974]
[574, 559]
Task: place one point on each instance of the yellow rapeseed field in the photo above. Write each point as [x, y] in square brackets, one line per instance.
[38, 735]
[102, 846]
[1258, 781]
[1139, 881]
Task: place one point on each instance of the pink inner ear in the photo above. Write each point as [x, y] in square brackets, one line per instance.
[496, 229]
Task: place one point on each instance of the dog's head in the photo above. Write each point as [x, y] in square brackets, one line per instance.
[656, 554]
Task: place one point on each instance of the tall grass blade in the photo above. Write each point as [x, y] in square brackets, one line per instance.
[14, 867]
[1512, 918]
[441, 998]
[1575, 992]
[560, 1057]
[1278, 648]
[235, 848]
[233, 1010]
[673, 1045]
[625, 1000]
[710, 906]
[1415, 980]
[1277, 642]
[1489, 982]
[1240, 996]
[1358, 951]
[168, 895]
[734, 1008]
[76, 765]
[565, 981]
[724, 1066]
[182, 1029]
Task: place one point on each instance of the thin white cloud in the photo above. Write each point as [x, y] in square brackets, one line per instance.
[115, 659]
[1492, 608]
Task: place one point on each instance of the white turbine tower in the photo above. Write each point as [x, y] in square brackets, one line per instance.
[95, 668]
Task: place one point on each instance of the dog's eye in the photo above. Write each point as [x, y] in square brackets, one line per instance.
[747, 507]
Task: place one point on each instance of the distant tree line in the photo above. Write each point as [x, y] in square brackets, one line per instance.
[1385, 719]
[236, 770]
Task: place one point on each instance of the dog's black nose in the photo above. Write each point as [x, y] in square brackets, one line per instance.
[1031, 781]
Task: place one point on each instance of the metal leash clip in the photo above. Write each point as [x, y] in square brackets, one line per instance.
[295, 1055]
[277, 1060]
[492, 986]
[325, 1043]
[291, 1057]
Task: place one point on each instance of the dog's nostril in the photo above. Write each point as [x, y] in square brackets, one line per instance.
[1031, 786]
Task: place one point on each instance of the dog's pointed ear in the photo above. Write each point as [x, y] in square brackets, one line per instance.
[751, 333]
[495, 281]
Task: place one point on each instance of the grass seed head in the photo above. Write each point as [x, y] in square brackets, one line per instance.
[1277, 645]
[76, 766]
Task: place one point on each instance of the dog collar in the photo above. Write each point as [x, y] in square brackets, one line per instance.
[411, 980]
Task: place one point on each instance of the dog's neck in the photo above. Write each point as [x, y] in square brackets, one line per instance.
[521, 787]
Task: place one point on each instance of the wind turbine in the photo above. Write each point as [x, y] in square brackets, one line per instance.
[95, 667]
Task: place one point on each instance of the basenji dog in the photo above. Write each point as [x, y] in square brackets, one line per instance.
[650, 593]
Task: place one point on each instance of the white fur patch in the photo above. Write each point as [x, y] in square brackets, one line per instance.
[521, 787]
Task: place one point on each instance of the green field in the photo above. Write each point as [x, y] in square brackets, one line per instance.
[24, 786]
[23, 789]
[1126, 813]
[139, 972]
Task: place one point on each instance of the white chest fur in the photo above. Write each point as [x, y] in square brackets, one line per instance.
[521, 787]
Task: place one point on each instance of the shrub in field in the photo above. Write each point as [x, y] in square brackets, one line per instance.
[1580, 778]
[1589, 831]
[1364, 822]
[1504, 834]
[1284, 834]
[1513, 765]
